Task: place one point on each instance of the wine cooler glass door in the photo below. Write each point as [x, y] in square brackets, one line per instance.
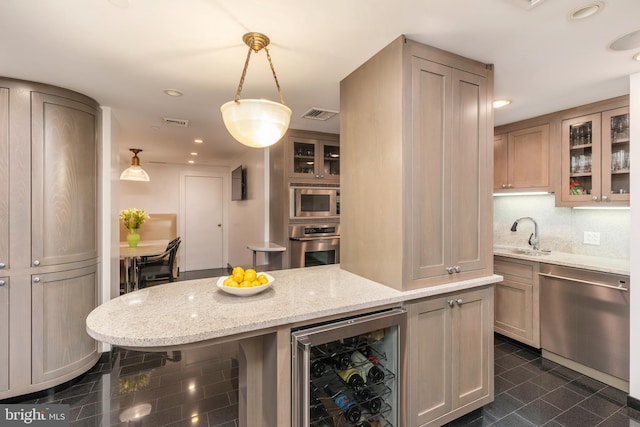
[349, 371]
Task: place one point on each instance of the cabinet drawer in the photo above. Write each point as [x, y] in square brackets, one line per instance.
[522, 270]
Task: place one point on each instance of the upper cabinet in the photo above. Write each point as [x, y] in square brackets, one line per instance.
[595, 159]
[415, 129]
[316, 160]
[521, 159]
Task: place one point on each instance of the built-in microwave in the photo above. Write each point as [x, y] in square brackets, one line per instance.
[314, 202]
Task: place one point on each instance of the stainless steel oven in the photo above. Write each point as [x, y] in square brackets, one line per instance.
[314, 244]
[314, 202]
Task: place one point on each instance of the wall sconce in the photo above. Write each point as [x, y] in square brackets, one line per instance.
[256, 122]
[134, 172]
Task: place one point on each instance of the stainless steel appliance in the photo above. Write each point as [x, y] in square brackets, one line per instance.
[314, 202]
[314, 244]
[584, 317]
[348, 372]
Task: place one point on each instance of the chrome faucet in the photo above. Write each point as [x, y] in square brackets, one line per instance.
[534, 239]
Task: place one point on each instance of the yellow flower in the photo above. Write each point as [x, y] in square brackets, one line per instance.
[133, 218]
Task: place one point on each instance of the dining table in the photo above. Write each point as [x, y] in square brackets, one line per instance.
[147, 248]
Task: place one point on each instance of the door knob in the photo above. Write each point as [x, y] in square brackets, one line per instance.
[2, 265]
[456, 268]
[219, 225]
[459, 301]
[36, 280]
[450, 302]
[450, 270]
[2, 283]
[36, 263]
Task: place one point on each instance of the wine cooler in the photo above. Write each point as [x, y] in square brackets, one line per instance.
[349, 372]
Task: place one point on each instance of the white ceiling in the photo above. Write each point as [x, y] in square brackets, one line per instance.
[126, 56]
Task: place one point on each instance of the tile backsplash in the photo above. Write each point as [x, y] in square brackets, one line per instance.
[561, 229]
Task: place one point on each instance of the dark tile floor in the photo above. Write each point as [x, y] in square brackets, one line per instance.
[196, 387]
[531, 391]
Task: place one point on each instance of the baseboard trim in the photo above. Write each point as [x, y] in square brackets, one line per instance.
[634, 403]
[618, 383]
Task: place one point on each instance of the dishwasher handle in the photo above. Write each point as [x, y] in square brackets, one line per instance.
[586, 282]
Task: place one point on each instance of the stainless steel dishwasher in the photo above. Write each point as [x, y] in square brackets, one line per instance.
[584, 317]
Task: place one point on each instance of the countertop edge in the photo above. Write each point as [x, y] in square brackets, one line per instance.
[586, 262]
[256, 326]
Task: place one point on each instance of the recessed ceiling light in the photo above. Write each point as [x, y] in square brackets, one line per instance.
[636, 57]
[194, 153]
[192, 161]
[173, 92]
[198, 141]
[586, 11]
[498, 103]
[626, 42]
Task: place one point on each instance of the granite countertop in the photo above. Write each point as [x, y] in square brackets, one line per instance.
[186, 312]
[587, 262]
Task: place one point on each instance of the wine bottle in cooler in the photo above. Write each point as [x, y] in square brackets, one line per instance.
[352, 377]
[368, 399]
[338, 358]
[371, 372]
[351, 410]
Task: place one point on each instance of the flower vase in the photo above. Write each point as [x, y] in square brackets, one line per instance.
[133, 237]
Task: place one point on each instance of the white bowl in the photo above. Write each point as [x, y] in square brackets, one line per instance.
[245, 292]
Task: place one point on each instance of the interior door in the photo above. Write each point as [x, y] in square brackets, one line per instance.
[203, 215]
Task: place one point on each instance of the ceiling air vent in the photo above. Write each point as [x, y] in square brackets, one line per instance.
[183, 123]
[319, 114]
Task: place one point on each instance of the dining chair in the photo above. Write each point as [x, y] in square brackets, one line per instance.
[159, 267]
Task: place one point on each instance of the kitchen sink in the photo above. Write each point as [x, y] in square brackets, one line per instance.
[529, 252]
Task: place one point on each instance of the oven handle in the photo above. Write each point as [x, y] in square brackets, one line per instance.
[307, 239]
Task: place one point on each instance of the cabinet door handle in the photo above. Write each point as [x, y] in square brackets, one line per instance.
[595, 198]
[605, 199]
[450, 270]
[456, 268]
[459, 301]
[36, 280]
[36, 263]
[509, 185]
[504, 185]
[450, 302]
[2, 283]
[2, 265]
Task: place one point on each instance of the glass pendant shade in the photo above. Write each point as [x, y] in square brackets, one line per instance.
[134, 172]
[256, 123]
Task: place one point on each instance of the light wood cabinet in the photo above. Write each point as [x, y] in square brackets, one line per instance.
[4, 333]
[314, 159]
[48, 234]
[595, 158]
[517, 300]
[415, 131]
[522, 160]
[450, 344]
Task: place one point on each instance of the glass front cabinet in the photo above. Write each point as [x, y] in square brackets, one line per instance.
[595, 159]
[314, 159]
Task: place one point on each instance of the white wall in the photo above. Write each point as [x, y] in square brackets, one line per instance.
[561, 229]
[162, 193]
[249, 219]
[635, 238]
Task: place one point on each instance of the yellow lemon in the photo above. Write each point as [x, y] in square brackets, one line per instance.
[250, 274]
[245, 284]
[238, 270]
[262, 279]
[255, 283]
[238, 277]
[229, 281]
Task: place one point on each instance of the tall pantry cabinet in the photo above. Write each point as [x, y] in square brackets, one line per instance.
[48, 234]
[416, 130]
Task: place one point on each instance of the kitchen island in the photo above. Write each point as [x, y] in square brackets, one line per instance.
[193, 313]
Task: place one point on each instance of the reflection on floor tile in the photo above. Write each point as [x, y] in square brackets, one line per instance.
[532, 391]
[196, 387]
[199, 388]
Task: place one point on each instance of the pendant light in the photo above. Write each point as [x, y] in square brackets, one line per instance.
[256, 122]
[134, 172]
